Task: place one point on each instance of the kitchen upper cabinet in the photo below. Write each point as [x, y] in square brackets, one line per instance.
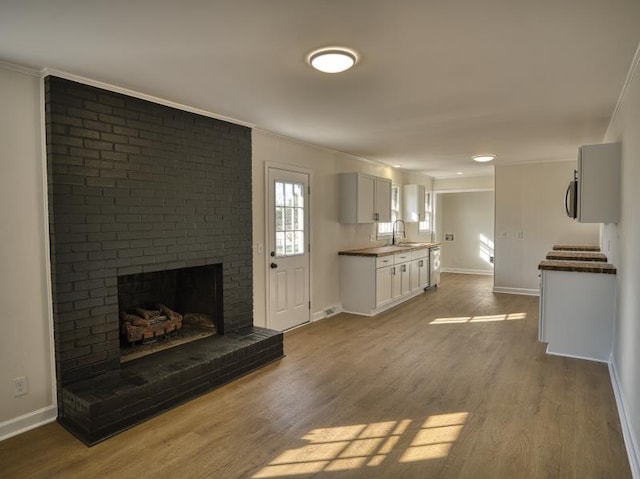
[364, 198]
[599, 183]
[414, 203]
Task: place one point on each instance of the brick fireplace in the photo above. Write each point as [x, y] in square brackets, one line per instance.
[139, 188]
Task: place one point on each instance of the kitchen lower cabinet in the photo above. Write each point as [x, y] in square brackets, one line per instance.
[370, 284]
[576, 313]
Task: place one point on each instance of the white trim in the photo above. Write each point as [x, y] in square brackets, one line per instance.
[142, 96]
[19, 68]
[574, 356]
[466, 271]
[523, 291]
[633, 452]
[317, 316]
[47, 248]
[28, 421]
[464, 190]
[633, 69]
[535, 162]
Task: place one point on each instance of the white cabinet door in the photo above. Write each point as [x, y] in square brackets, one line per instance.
[366, 194]
[404, 270]
[384, 285]
[419, 274]
[396, 278]
[423, 277]
[383, 200]
[599, 183]
[414, 278]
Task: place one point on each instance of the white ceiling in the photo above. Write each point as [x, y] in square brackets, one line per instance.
[438, 80]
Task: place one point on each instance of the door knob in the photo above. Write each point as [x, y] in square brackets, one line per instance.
[273, 265]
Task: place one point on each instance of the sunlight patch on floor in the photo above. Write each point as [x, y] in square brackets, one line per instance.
[353, 447]
[480, 319]
[435, 438]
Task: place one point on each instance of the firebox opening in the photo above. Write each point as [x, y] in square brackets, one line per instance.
[162, 309]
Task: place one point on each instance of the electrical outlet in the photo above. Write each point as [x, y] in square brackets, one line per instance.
[503, 235]
[520, 235]
[371, 238]
[20, 387]
[260, 248]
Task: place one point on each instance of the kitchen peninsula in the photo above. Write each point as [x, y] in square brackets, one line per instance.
[577, 294]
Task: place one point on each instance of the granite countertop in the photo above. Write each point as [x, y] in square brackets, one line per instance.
[387, 250]
[577, 256]
[578, 266]
[575, 247]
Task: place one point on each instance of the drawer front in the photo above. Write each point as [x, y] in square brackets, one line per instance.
[382, 261]
[420, 253]
[402, 257]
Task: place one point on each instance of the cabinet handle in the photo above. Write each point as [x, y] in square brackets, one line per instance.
[404, 268]
[393, 271]
[421, 263]
[376, 216]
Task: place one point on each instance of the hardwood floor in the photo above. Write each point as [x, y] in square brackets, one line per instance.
[452, 384]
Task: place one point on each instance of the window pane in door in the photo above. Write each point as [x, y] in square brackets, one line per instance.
[289, 218]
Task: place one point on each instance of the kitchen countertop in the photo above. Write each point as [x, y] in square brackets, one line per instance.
[574, 247]
[578, 266]
[388, 250]
[577, 256]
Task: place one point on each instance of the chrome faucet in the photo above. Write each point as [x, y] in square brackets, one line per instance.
[393, 231]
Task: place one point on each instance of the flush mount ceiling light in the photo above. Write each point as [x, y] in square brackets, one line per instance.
[332, 59]
[483, 158]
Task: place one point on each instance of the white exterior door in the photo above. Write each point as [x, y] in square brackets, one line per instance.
[288, 260]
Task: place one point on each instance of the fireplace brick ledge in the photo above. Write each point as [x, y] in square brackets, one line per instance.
[100, 407]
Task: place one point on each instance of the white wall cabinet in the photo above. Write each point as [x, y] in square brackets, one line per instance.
[413, 205]
[576, 313]
[599, 183]
[364, 198]
[370, 284]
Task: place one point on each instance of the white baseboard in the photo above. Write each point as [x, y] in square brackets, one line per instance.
[575, 356]
[317, 316]
[524, 291]
[627, 428]
[28, 421]
[466, 271]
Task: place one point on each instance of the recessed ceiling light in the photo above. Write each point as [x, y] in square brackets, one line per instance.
[332, 59]
[459, 173]
[483, 158]
[397, 166]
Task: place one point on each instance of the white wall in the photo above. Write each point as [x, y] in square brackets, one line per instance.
[469, 216]
[25, 347]
[624, 252]
[530, 199]
[462, 183]
[328, 236]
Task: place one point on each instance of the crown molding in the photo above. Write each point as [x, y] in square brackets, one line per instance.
[142, 96]
[633, 69]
